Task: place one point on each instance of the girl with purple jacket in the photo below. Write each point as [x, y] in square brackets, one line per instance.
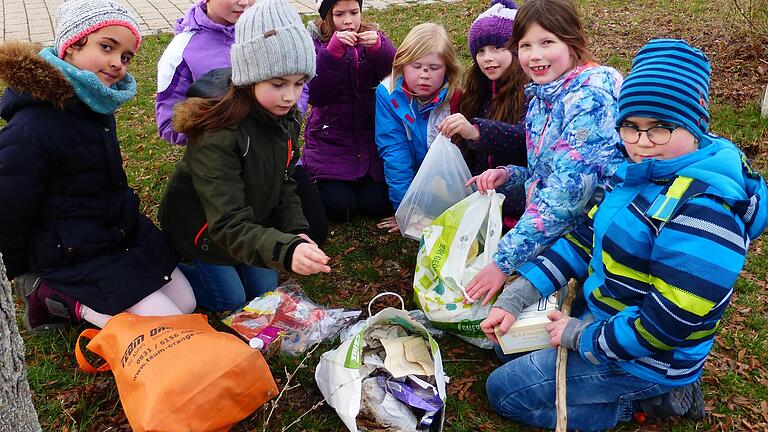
[490, 125]
[203, 38]
[340, 152]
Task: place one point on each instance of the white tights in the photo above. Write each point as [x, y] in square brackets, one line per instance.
[174, 298]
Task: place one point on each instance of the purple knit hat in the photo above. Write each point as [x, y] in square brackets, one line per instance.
[492, 27]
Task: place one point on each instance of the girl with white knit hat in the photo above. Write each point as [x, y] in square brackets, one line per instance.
[71, 233]
[231, 200]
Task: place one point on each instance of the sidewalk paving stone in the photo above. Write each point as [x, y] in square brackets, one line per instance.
[32, 20]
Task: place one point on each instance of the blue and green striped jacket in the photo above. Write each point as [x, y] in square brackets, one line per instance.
[660, 254]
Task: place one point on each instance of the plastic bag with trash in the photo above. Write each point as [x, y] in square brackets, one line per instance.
[301, 322]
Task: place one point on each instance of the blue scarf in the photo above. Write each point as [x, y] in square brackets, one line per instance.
[88, 87]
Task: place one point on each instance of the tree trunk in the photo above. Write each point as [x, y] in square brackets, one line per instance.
[17, 413]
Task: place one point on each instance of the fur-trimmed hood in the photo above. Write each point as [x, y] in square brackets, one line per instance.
[33, 78]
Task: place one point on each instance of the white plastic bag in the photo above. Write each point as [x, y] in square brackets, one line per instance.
[450, 256]
[438, 184]
[339, 375]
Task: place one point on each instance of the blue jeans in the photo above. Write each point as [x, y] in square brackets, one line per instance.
[227, 288]
[598, 396]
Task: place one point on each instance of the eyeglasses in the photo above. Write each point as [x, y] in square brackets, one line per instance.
[658, 135]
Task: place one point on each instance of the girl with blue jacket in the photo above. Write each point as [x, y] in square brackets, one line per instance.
[411, 103]
[654, 300]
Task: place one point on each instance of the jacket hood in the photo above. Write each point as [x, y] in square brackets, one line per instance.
[31, 79]
[726, 170]
[197, 19]
[591, 75]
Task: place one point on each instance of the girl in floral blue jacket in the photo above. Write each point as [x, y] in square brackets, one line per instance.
[570, 136]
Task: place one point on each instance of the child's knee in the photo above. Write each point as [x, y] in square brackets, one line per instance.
[501, 394]
[517, 388]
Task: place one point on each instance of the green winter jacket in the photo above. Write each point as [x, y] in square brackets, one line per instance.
[231, 198]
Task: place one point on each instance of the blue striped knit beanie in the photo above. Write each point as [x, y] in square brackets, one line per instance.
[492, 27]
[669, 81]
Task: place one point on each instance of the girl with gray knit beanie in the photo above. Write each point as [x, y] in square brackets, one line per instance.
[73, 237]
[231, 204]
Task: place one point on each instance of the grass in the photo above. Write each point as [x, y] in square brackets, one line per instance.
[367, 261]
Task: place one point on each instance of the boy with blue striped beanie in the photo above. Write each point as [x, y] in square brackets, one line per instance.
[654, 301]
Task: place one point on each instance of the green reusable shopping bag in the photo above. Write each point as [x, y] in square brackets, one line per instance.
[454, 248]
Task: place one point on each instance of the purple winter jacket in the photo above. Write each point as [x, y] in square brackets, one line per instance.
[339, 141]
[200, 45]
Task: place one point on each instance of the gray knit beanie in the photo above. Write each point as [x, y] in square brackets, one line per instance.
[271, 42]
[76, 19]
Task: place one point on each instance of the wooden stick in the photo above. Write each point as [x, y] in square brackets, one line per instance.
[562, 362]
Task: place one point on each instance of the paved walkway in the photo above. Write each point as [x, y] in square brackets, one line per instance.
[32, 20]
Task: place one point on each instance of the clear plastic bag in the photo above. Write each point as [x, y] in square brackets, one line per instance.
[438, 185]
[288, 308]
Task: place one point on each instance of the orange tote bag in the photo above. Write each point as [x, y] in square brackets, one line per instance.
[176, 373]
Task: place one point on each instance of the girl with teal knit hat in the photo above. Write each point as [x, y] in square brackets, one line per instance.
[654, 302]
[71, 234]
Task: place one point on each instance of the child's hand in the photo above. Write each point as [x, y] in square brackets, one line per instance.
[306, 237]
[346, 37]
[497, 317]
[490, 179]
[309, 259]
[368, 38]
[458, 124]
[556, 327]
[486, 283]
[389, 223]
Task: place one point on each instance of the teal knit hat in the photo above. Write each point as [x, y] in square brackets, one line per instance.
[669, 81]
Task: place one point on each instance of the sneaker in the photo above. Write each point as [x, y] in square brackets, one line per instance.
[685, 401]
[45, 307]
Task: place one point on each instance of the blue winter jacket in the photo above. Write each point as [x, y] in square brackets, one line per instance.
[404, 131]
[571, 142]
[661, 254]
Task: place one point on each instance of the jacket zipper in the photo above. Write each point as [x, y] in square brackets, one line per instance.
[199, 233]
[288, 160]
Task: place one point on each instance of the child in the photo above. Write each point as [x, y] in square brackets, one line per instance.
[411, 103]
[339, 149]
[203, 38]
[570, 139]
[71, 232]
[490, 124]
[654, 300]
[201, 48]
[231, 206]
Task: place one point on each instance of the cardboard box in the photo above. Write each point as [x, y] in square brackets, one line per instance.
[528, 333]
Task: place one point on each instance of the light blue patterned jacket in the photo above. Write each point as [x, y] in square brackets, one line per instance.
[572, 147]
